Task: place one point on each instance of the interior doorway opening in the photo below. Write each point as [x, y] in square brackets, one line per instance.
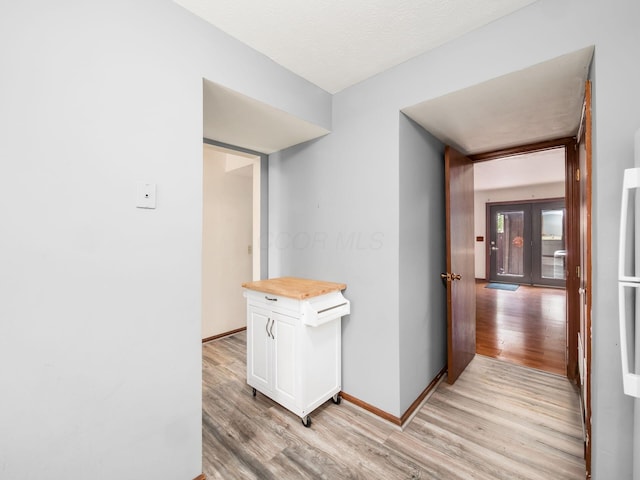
[520, 223]
[230, 236]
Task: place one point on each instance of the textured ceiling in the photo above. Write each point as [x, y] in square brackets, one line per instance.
[539, 103]
[337, 43]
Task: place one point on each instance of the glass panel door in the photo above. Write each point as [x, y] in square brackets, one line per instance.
[527, 243]
[549, 253]
[509, 251]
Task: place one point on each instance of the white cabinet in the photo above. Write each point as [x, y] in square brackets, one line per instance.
[292, 357]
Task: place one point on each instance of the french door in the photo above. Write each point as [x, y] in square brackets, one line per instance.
[527, 243]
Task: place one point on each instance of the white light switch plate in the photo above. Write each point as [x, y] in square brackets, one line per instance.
[146, 195]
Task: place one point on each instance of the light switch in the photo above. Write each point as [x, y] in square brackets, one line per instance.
[146, 195]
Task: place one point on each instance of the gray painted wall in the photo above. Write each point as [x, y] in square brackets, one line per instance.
[355, 172]
[100, 301]
[422, 310]
[334, 216]
[100, 352]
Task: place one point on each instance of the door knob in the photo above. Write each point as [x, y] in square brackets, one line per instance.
[494, 248]
[450, 276]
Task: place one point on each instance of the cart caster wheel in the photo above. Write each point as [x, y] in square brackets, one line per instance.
[337, 399]
[253, 392]
[306, 421]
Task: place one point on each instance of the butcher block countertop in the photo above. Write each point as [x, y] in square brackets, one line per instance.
[298, 288]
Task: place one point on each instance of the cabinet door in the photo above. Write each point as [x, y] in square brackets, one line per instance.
[285, 345]
[258, 348]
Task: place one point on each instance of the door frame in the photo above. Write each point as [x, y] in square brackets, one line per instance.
[572, 202]
[583, 211]
[260, 266]
[259, 218]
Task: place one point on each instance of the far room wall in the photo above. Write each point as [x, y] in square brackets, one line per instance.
[513, 194]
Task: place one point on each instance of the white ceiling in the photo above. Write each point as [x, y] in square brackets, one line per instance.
[520, 170]
[337, 43]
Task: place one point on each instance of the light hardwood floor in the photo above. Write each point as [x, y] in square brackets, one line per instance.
[499, 421]
[527, 326]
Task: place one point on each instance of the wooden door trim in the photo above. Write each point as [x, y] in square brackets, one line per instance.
[588, 131]
[572, 187]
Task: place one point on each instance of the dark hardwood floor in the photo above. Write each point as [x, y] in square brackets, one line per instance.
[527, 326]
[497, 422]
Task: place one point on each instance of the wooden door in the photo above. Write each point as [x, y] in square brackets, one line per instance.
[460, 275]
[584, 330]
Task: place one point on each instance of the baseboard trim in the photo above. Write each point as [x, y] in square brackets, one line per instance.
[418, 401]
[221, 335]
[371, 409]
[399, 421]
[202, 476]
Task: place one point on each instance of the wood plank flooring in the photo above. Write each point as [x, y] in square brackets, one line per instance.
[527, 327]
[498, 421]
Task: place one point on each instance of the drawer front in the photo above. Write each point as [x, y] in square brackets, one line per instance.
[277, 303]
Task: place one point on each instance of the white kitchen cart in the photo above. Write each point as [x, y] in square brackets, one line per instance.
[294, 342]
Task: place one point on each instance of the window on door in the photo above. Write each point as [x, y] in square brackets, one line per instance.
[527, 243]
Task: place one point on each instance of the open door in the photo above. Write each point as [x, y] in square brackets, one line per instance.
[460, 275]
[583, 178]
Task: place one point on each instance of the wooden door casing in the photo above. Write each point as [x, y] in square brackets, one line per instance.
[584, 332]
[461, 297]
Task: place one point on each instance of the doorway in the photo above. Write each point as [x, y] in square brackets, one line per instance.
[527, 242]
[230, 229]
[521, 242]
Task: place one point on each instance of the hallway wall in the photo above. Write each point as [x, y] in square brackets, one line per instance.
[349, 182]
[100, 317]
